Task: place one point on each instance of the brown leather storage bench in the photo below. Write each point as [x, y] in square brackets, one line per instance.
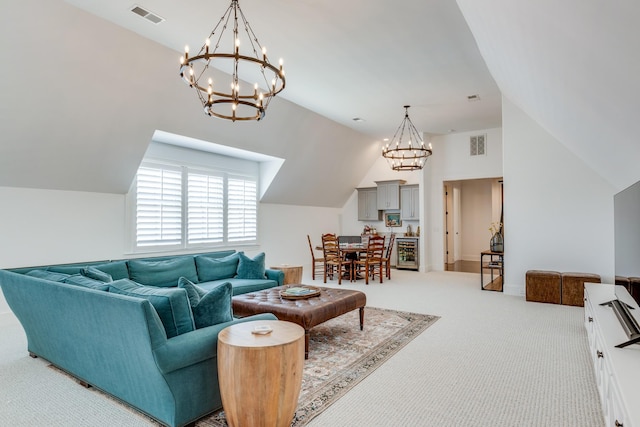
[573, 287]
[634, 288]
[544, 286]
[632, 284]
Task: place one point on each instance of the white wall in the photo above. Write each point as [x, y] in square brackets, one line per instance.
[50, 226]
[558, 211]
[284, 229]
[41, 227]
[451, 162]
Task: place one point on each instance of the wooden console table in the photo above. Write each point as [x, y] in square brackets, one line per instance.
[260, 375]
[493, 261]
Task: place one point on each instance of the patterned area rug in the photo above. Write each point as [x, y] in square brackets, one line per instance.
[340, 356]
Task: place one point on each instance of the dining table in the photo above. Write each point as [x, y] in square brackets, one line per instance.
[350, 251]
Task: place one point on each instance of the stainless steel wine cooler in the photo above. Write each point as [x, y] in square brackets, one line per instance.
[407, 253]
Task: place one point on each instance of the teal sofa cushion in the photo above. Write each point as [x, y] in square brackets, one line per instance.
[48, 275]
[217, 268]
[171, 304]
[66, 269]
[95, 274]
[163, 273]
[80, 280]
[116, 269]
[242, 286]
[209, 307]
[251, 268]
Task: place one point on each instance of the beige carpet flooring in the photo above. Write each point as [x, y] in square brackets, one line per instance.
[491, 359]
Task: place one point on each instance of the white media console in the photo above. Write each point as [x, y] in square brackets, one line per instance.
[617, 370]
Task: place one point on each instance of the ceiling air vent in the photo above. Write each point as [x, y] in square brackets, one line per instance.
[149, 16]
[478, 145]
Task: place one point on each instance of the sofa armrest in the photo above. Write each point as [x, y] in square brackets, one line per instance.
[194, 347]
[277, 275]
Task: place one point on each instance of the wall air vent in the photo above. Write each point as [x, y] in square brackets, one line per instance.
[478, 145]
[149, 16]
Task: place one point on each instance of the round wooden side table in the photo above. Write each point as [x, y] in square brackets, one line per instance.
[260, 375]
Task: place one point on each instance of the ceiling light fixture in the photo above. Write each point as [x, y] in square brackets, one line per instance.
[406, 151]
[231, 99]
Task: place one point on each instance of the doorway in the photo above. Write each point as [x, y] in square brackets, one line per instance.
[470, 207]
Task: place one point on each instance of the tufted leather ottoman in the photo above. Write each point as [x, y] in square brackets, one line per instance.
[573, 287]
[307, 312]
[544, 286]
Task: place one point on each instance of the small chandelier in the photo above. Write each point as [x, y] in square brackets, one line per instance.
[229, 98]
[406, 153]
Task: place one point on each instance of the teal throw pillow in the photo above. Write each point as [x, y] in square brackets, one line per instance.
[171, 304]
[209, 307]
[210, 269]
[86, 282]
[48, 275]
[251, 268]
[116, 269]
[95, 274]
[164, 273]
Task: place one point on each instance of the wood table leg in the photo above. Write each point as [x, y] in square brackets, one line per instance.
[361, 318]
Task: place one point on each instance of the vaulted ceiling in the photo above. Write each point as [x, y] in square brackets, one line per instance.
[573, 67]
[85, 84]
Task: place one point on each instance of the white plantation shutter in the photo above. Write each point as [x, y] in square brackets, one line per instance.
[177, 206]
[158, 207]
[205, 208]
[242, 209]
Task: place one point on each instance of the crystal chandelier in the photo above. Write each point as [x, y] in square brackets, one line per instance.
[229, 97]
[406, 150]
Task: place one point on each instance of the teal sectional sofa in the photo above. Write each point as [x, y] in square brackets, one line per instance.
[142, 330]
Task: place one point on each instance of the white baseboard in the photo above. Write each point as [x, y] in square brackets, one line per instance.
[517, 290]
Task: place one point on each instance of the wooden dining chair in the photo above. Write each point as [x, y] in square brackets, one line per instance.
[386, 260]
[334, 262]
[317, 264]
[372, 262]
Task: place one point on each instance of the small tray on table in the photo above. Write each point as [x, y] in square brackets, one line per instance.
[300, 292]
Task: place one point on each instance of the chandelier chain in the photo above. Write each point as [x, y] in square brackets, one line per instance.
[241, 102]
[403, 155]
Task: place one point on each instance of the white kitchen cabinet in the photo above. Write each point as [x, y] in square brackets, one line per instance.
[409, 202]
[389, 194]
[368, 204]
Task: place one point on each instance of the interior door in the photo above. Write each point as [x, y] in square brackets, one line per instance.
[457, 222]
[448, 224]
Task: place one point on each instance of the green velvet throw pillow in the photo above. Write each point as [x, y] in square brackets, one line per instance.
[209, 307]
[251, 268]
[171, 304]
[95, 274]
[210, 269]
